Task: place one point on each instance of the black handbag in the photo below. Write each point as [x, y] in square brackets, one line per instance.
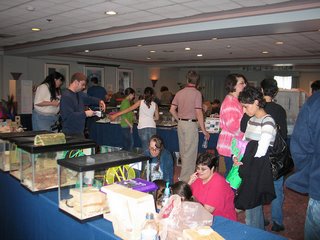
[280, 157]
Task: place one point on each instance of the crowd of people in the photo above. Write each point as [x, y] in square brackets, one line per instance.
[246, 113]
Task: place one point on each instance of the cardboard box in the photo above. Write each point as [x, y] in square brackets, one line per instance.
[128, 209]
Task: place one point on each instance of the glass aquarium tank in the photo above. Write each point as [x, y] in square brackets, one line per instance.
[39, 163]
[5, 146]
[4, 156]
[165, 117]
[80, 180]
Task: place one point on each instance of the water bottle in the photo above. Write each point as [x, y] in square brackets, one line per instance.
[150, 228]
[166, 195]
[205, 143]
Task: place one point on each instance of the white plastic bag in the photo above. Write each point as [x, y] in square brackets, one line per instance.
[176, 216]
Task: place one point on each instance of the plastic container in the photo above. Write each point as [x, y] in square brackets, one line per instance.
[166, 195]
[81, 197]
[150, 228]
[205, 143]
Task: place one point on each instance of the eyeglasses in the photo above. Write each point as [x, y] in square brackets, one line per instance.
[202, 169]
[154, 149]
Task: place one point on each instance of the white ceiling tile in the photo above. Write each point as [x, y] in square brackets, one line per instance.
[130, 2]
[61, 8]
[204, 8]
[81, 16]
[182, 1]
[169, 11]
[59, 1]
[248, 3]
[275, 1]
[14, 2]
[228, 6]
[109, 6]
[3, 7]
[152, 4]
[37, 4]
[142, 16]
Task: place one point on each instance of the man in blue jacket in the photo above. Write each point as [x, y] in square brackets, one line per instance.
[72, 106]
[305, 150]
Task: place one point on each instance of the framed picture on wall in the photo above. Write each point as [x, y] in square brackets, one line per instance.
[61, 68]
[124, 79]
[97, 72]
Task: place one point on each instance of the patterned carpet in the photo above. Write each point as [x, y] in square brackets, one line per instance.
[294, 212]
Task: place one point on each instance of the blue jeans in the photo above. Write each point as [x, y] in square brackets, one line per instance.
[277, 203]
[312, 224]
[145, 134]
[42, 122]
[127, 138]
[254, 217]
[228, 162]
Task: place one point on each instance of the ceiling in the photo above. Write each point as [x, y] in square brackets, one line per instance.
[225, 32]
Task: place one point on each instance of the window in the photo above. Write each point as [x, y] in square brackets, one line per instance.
[284, 82]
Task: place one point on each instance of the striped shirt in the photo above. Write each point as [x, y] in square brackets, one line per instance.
[262, 130]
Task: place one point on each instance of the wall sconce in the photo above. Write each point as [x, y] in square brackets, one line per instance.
[154, 75]
[154, 81]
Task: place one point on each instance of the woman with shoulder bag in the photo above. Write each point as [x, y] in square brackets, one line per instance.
[257, 187]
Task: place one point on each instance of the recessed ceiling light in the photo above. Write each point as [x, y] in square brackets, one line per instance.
[111, 12]
[36, 29]
[228, 46]
[87, 50]
[265, 52]
[214, 38]
[199, 55]
[279, 43]
[283, 65]
[152, 51]
[148, 58]
[30, 8]
[187, 49]
[140, 45]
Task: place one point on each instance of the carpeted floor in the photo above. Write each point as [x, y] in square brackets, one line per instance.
[294, 211]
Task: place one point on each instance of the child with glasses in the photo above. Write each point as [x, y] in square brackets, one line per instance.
[161, 161]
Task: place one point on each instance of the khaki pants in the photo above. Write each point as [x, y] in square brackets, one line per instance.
[188, 145]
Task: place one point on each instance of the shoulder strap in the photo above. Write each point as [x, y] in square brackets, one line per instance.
[277, 125]
[268, 115]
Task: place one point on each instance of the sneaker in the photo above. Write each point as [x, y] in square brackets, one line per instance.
[277, 227]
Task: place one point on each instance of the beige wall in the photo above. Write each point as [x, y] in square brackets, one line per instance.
[306, 78]
[33, 69]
